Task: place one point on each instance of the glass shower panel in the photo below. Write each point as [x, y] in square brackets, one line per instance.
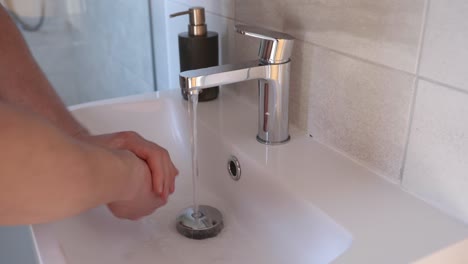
[89, 49]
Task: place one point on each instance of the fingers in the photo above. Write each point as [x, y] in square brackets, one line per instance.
[166, 180]
[170, 173]
[136, 209]
[160, 173]
[157, 173]
[162, 169]
[175, 172]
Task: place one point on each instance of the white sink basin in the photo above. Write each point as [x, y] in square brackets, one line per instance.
[265, 222]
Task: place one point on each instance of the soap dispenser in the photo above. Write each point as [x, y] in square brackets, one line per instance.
[198, 48]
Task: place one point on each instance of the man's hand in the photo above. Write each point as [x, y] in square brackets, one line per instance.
[64, 176]
[139, 199]
[159, 172]
[163, 171]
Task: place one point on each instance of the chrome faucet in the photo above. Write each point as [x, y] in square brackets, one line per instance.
[272, 72]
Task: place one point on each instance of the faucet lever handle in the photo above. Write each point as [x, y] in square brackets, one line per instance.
[275, 47]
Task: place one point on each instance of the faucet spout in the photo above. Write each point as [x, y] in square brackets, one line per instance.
[195, 80]
[273, 91]
[272, 72]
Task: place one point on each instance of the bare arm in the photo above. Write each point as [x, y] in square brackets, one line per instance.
[46, 175]
[23, 83]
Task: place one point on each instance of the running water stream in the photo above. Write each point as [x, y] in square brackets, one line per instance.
[193, 102]
[201, 221]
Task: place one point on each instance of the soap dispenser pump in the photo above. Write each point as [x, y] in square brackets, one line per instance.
[198, 48]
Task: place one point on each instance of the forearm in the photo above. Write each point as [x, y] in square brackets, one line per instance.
[47, 175]
[23, 83]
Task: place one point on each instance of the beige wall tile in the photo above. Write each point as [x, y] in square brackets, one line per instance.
[301, 82]
[437, 160]
[360, 109]
[384, 31]
[445, 52]
[265, 13]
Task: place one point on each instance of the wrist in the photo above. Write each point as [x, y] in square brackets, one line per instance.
[132, 171]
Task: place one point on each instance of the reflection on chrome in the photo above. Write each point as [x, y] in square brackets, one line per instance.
[272, 71]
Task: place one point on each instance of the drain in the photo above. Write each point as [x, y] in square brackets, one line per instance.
[206, 224]
[234, 168]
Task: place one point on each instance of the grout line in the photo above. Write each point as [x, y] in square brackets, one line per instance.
[217, 14]
[415, 88]
[434, 204]
[427, 4]
[354, 57]
[409, 127]
[448, 86]
[357, 161]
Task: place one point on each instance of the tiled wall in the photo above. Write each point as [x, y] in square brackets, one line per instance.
[384, 82]
[92, 49]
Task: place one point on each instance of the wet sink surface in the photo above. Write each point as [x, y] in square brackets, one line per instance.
[264, 221]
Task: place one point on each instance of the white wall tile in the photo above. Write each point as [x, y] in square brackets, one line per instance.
[126, 39]
[360, 109]
[129, 37]
[445, 52]
[67, 88]
[437, 160]
[385, 31]
[160, 44]
[97, 56]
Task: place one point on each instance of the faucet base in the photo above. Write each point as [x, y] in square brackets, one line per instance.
[271, 142]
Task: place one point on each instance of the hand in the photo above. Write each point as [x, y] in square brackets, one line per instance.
[138, 199]
[163, 171]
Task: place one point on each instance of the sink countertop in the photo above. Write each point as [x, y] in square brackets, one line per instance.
[388, 224]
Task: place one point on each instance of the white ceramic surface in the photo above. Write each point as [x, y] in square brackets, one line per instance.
[264, 221]
[295, 203]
